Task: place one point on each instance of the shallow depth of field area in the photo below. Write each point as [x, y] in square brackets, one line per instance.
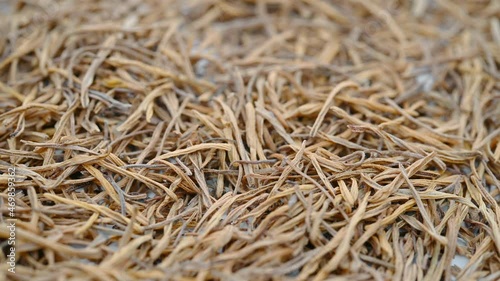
[250, 140]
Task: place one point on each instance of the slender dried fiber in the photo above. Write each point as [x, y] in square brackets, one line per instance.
[251, 139]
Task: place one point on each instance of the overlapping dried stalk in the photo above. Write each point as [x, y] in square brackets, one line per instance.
[252, 140]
